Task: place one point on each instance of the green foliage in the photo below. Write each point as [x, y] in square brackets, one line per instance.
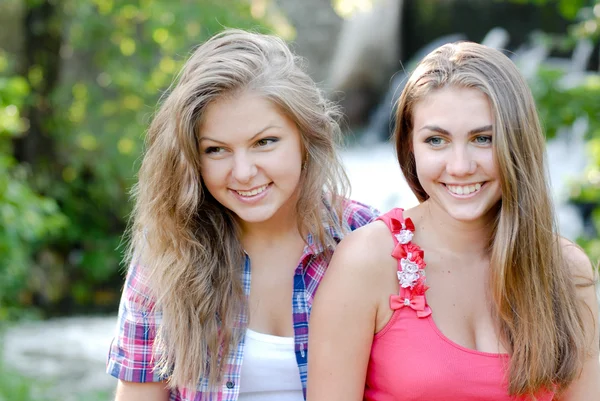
[592, 245]
[15, 387]
[588, 25]
[119, 56]
[26, 218]
[568, 8]
[584, 13]
[561, 102]
[61, 223]
[586, 192]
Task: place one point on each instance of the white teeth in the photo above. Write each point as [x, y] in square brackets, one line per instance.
[464, 190]
[253, 192]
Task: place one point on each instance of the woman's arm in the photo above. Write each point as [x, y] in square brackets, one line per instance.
[587, 386]
[128, 391]
[131, 357]
[343, 317]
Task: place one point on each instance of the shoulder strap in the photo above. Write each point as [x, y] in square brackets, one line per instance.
[390, 219]
[411, 274]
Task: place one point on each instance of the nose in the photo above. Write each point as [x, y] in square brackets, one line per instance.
[460, 162]
[244, 167]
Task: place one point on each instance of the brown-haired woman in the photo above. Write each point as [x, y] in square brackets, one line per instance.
[240, 184]
[508, 310]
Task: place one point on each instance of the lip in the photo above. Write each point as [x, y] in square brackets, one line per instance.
[250, 189]
[253, 198]
[471, 195]
[461, 184]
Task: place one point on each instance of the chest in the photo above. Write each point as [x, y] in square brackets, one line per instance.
[459, 298]
[413, 361]
[270, 300]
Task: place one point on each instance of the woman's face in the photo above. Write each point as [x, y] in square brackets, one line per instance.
[452, 144]
[251, 157]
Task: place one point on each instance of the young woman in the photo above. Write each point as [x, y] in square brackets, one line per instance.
[472, 294]
[237, 210]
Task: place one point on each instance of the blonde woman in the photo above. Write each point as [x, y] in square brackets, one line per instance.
[472, 294]
[237, 210]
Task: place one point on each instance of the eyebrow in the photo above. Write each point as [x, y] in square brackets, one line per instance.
[268, 127]
[436, 128]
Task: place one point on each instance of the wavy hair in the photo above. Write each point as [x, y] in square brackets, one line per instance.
[192, 256]
[533, 293]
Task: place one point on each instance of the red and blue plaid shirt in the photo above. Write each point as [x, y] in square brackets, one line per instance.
[131, 358]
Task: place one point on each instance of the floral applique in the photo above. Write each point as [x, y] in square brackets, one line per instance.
[411, 269]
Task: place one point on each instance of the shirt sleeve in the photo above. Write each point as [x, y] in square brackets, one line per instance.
[131, 357]
[358, 214]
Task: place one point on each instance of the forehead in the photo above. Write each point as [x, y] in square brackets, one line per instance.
[241, 115]
[454, 109]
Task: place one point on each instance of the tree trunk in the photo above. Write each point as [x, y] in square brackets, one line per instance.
[41, 64]
[317, 27]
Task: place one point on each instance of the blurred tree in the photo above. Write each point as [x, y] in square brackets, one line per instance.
[563, 99]
[41, 63]
[27, 219]
[120, 57]
[94, 71]
[570, 9]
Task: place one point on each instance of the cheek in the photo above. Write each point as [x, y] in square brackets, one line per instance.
[288, 162]
[286, 171]
[213, 174]
[427, 163]
[493, 165]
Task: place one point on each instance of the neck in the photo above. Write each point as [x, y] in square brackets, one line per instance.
[282, 226]
[459, 237]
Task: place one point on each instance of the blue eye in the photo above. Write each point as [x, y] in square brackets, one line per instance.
[483, 140]
[435, 141]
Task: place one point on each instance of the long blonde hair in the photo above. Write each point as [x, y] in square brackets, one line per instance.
[533, 293]
[192, 258]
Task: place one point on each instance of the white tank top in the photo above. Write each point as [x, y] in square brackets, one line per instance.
[269, 369]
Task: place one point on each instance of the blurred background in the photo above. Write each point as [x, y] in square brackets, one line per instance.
[79, 82]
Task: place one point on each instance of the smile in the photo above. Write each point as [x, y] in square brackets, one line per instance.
[252, 192]
[464, 189]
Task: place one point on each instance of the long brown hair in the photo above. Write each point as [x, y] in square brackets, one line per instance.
[532, 290]
[190, 249]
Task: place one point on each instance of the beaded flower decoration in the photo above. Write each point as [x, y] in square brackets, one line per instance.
[411, 269]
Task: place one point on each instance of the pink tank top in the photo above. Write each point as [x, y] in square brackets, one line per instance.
[411, 360]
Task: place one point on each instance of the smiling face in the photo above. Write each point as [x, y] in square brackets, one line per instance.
[251, 158]
[452, 145]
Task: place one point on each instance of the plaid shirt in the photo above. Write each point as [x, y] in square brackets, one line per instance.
[130, 356]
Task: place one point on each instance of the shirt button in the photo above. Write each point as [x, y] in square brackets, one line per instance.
[229, 384]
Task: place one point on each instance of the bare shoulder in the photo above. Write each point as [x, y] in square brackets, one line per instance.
[577, 261]
[584, 276]
[363, 256]
[367, 245]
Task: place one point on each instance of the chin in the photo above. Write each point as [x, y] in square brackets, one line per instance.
[254, 216]
[472, 215]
